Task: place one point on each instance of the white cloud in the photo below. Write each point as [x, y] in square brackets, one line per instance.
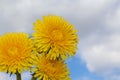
[4, 76]
[112, 20]
[100, 49]
[19, 15]
[26, 76]
[104, 56]
[93, 8]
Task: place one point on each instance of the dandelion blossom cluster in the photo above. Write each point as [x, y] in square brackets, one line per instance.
[53, 41]
[51, 69]
[15, 52]
[55, 37]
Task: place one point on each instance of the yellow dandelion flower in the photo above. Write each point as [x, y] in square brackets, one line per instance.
[55, 36]
[51, 70]
[15, 52]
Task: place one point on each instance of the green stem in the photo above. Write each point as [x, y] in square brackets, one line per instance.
[18, 75]
[33, 78]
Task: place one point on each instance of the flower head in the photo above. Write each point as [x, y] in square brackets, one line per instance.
[15, 52]
[51, 69]
[55, 36]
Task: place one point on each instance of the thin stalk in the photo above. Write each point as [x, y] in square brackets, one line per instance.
[33, 78]
[18, 76]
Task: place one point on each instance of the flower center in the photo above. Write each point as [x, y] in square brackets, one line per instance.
[13, 50]
[57, 35]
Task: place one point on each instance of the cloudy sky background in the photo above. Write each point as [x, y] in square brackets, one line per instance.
[98, 25]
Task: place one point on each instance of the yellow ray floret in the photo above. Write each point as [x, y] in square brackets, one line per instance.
[15, 52]
[55, 36]
[51, 70]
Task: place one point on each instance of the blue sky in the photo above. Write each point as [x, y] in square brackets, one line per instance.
[98, 25]
[79, 70]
